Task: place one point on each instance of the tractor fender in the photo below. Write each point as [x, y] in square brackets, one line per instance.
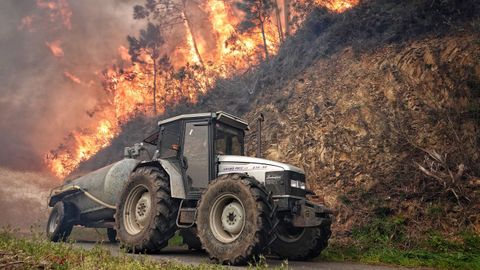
[174, 175]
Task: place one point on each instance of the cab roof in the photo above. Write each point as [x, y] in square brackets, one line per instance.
[220, 116]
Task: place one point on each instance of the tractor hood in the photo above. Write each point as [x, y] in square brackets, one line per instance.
[241, 163]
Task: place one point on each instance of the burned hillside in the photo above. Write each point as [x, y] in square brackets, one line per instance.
[394, 133]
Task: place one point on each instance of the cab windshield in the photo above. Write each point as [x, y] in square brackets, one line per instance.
[228, 140]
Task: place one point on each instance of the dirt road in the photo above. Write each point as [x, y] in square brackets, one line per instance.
[183, 255]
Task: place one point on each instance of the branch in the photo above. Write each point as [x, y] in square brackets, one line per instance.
[429, 173]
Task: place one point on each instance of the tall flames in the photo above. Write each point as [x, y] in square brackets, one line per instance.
[128, 86]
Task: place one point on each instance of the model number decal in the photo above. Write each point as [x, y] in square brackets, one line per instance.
[244, 168]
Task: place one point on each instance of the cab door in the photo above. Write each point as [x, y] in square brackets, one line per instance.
[195, 157]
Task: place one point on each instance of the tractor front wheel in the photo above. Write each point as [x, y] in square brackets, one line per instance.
[235, 219]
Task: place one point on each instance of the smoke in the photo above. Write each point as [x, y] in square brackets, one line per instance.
[50, 63]
[46, 93]
[23, 205]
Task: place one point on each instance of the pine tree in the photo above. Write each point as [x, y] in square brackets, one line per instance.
[257, 13]
[148, 42]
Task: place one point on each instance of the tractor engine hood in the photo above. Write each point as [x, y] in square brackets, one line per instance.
[230, 164]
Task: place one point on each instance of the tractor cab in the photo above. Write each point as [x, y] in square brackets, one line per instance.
[193, 142]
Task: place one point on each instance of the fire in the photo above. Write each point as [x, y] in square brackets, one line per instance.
[337, 5]
[86, 142]
[193, 56]
[72, 77]
[55, 47]
[129, 86]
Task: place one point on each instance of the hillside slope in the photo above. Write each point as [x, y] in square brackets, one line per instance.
[361, 125]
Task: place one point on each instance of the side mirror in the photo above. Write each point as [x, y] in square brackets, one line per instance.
[134, 151]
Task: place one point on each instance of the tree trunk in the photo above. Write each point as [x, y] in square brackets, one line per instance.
[279, 22]
[166, 89]
[154, 86]
[188, 25]
[262, 25]
[189, 29]
[286, 16]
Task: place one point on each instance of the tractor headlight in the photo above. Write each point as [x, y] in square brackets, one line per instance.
[297, 184]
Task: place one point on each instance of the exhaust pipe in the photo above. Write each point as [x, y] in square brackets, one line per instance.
[260, 119]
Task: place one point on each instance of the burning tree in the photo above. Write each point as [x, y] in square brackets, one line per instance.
[167, 14]
[257, 13]
[147, 44]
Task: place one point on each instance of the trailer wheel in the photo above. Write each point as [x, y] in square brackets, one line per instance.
[146, 213]
[235, 219]
[59, 225]
[112, 235]
[190, 238]
[300, 244]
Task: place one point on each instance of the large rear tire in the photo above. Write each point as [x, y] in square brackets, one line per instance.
[146, 213]
[59, 225]
[300, 244]
[235, 219]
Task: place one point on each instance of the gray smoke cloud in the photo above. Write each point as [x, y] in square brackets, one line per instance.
[39, 104]
[24, 206]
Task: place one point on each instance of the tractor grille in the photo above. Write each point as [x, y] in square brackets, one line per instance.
[279, 183]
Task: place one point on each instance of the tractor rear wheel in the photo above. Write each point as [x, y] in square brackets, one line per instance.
[300, 244]
[235, 219]
[146, 213]
[59, 225]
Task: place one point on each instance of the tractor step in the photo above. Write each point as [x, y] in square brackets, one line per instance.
[186, 216]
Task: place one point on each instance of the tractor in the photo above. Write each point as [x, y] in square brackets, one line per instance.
[198, 182]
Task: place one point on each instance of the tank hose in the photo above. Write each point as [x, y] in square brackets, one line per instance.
[93, 198]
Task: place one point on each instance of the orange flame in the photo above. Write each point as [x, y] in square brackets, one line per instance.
[337, 5]
[55, 47]
[72, 77]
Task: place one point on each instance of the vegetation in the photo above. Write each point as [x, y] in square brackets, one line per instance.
[36, 252]
[381, 242]
[385, 241]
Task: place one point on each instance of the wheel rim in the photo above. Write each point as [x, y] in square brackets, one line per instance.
[54, 220]
[289, 234]
[137, 210]
[227, 218]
